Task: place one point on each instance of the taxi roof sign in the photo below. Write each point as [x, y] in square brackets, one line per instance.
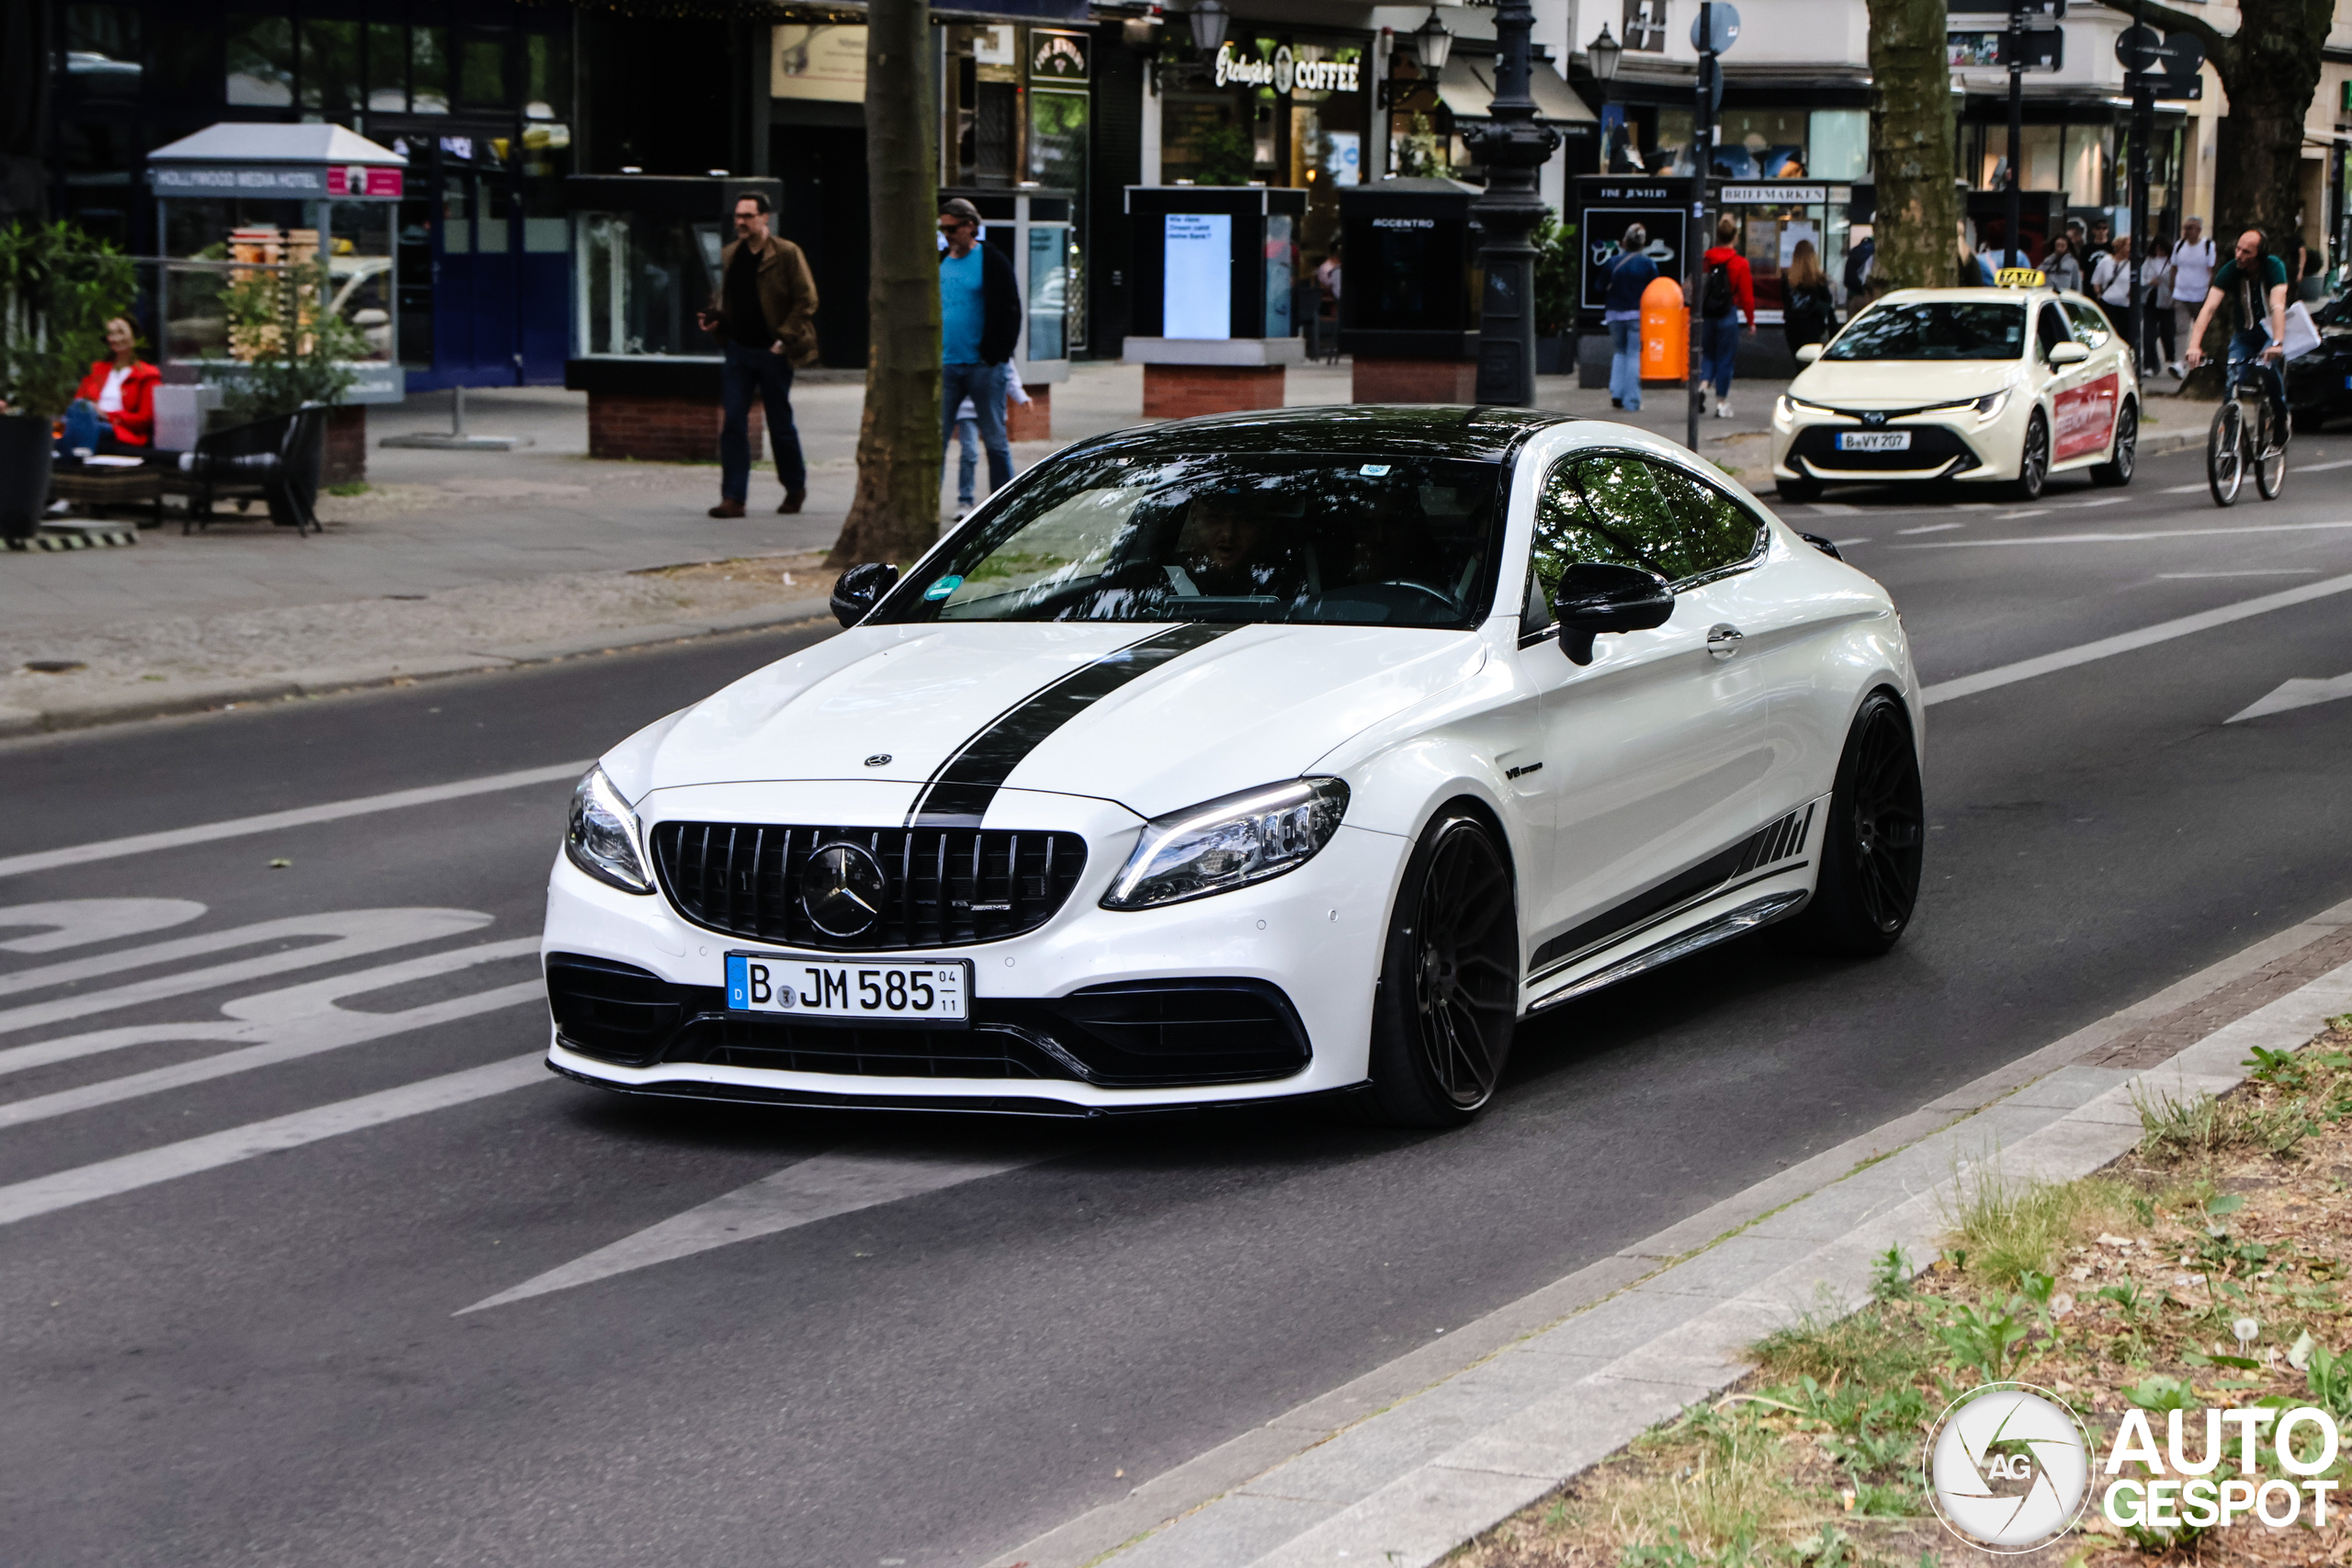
[2020, 277]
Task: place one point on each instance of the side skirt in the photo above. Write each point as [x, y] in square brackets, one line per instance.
[1707, 933]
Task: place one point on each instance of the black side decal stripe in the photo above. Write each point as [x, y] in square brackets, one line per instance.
[1774, 842]
[958, 795]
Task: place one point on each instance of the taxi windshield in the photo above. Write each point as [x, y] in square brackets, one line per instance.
[1345, 540]
[1934, 329]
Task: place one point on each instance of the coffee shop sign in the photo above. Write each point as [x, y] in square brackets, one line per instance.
[1283, 73]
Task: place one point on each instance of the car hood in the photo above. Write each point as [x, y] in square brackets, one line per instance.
[1899, 383]
[1059, 707]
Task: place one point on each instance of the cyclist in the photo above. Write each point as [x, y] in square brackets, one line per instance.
[2251, 275]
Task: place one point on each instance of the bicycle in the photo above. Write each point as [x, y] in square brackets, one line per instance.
[2237, 441]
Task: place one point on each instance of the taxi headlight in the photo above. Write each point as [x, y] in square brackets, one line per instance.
[1988, 407]
[1220, 845]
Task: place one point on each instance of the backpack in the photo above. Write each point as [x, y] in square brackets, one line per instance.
[1716, 300]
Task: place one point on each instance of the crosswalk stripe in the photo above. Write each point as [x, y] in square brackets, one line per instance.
[840, 1182]
[128, 1173]
[269, 822]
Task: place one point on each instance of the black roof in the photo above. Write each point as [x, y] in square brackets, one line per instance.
[1409, 430]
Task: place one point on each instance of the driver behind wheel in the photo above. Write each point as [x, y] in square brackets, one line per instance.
[1226, 550]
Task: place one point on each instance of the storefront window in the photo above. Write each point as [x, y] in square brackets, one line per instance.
[640, 279]
[481, 70]
[387, 67]
[331, 68]
[548, 69]
[1057, 124]
[1762, 144]
[260, 61]
[102, 53]
[1840, 145]
[429, 68]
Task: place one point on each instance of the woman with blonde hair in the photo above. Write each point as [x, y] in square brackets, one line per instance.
[1809, 310]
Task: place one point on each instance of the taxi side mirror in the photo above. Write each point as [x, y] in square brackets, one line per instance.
[2068, 354]
[1807, 353]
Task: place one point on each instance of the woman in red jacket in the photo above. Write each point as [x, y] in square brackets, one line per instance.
[1727, 291]
[114, 409]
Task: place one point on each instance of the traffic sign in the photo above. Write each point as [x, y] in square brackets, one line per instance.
[2039, 49]
[2182, 54]
[1726, 25]
[2139, 48]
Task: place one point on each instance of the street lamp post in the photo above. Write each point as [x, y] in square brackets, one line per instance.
[1600, 57]
[1512, 146]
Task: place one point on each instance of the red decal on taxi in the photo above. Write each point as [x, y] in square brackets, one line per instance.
[2086, 417]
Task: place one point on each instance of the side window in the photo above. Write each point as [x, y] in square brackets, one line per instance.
[2090, 327]
[1620, 510]
[2051, 329]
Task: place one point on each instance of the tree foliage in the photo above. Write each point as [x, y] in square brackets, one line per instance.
[291, 350]
[2270, 68]
[1912, 150]
[58, 289]
[896, 516]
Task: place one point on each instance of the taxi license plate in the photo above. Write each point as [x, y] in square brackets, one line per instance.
[1874, 441]
[934, 994]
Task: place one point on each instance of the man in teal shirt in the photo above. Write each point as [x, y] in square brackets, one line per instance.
[980, 321]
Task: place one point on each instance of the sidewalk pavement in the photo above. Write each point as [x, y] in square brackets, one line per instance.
[1405, 1463]
[468, 560]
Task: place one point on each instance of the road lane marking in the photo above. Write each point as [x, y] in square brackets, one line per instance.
[129, 1173]
[2030, 512]
[1932, 528]
[281, 1026]
[2180, 490]
[2297, 693]
[2323, 467]
[2123, 538]
[2250, 572]
[270, 822]
[817, 1188]
[77, 922]
[2104, 501]
[1843, 544]
[2106, 648]
[354, 932]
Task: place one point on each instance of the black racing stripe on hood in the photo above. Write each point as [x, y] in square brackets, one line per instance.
[958, 795]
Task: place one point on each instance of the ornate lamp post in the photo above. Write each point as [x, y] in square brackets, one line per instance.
[1512, 147]
[1600, 57]
[1209, 20]
[1434, 41]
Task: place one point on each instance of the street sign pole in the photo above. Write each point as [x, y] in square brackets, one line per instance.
[2144, 126]
[1703, 165]
[2013, 45]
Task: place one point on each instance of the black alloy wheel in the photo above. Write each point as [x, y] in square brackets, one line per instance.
[1872, 844]
[1449, 980]
[2124, 453]
[2033, 460]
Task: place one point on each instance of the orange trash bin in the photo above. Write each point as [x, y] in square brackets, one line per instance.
[1666, 334]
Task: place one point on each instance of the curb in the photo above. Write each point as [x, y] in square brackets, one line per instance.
[1409, 1462]
[204, 696]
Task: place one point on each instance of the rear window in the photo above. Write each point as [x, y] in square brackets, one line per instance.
[1934, 329]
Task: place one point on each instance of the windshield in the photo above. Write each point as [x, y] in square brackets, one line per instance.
[1354, 540]
[1934, 329]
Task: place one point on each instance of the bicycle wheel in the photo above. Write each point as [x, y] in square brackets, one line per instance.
[2269, 448]
[2225, 454]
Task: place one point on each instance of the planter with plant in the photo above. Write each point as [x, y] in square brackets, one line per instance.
[287, 352]
[58, 289]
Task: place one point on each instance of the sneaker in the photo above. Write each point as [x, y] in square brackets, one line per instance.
[728, 509]
[1723, 409]
[1616, 403]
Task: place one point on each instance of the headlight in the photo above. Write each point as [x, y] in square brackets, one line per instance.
[1988, 407]
[1785, 408]
[601, 840]
[1220, 845]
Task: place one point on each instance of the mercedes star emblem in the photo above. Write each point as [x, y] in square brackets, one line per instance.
[842, 887]
[880, 760]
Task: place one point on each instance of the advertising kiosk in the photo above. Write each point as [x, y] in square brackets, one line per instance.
[1408, 308]
[1213, 268]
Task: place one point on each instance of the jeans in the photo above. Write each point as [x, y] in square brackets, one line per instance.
[1718, 346]
[1625, 363]
[2245, 352]
[88, 430]
[968, 458]
[743, 370]
[984, 384]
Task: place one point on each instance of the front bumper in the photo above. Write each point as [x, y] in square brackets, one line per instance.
[1944, 446]
[1257, 994]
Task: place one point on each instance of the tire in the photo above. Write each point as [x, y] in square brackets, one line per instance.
[1448, 1000]
[1872, 843]
[2123, 455]
[2269, 452]
[1797, 490]
[2225, 453]
[2033, 460]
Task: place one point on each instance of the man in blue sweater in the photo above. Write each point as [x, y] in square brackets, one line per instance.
[1629, 273]
[979, 326]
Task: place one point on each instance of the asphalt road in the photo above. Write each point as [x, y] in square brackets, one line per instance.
[237, 1238]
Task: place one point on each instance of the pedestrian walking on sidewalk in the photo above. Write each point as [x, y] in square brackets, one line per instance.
[2060, 266]
[1726, 290]
[765, 316]
[1809, 310]
[1629, 272]
[979, 325]
[2192, 277]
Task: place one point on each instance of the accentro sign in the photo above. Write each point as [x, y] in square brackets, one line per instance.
[1284, 73]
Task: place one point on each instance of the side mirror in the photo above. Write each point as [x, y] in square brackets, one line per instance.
[2068, 354]
[860, 589]
[1807, 353]
[1594, 598]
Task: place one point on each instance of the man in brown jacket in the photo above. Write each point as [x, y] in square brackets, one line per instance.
[763, 317]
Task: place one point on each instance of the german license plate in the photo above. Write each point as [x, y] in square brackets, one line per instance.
[1874, 441]
[935, 994]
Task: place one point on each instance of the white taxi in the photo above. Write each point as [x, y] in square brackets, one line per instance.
[1995, 387]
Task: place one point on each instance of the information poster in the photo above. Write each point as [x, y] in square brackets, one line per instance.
[1197, 250]
[823, 61]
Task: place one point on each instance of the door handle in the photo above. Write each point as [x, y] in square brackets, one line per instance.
[1723, 640]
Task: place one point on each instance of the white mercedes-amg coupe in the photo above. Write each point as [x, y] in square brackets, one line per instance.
[1291, 754]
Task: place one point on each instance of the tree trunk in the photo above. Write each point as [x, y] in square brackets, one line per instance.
[896, 516]
[1912, 152]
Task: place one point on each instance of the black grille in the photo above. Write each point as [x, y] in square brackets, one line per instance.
[1932, 447]
[949, 886]
[1142, 1034]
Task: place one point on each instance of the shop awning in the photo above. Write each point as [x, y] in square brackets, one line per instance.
[1467, 85]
